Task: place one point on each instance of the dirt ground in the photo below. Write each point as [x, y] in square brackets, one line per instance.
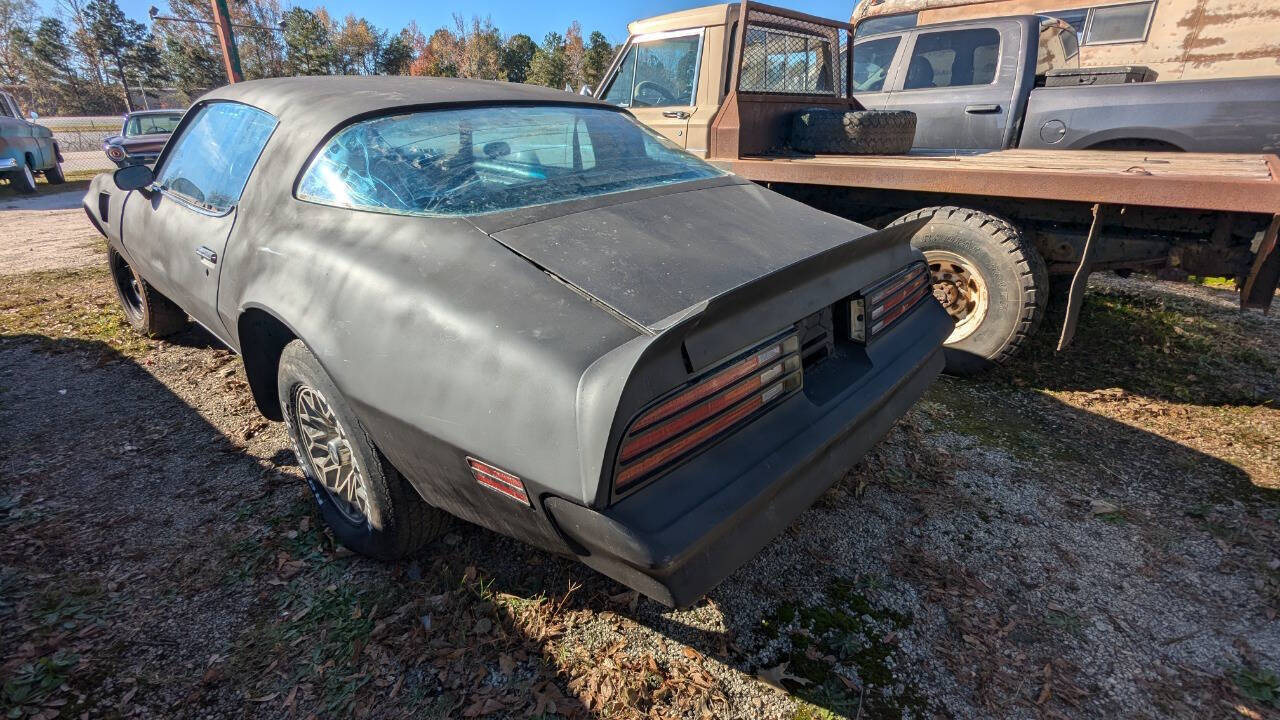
[52, 230]
[1087, 534]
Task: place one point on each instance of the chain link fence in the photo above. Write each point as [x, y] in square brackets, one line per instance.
[80, 140]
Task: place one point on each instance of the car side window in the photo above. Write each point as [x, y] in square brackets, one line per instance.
[871, 60]
[4, 107]
[953, 58]
[210, 161]
[657, 73]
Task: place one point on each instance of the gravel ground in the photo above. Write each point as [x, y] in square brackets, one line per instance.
[1082, 535]
[46, 231]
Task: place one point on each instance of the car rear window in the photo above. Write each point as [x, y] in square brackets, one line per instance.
[488, 159]
[151, 124]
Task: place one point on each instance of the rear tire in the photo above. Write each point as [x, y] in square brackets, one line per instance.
[988, 277]
[23, 180]
[367, 503]
[54, 175]
[148, 312]
[860, 132]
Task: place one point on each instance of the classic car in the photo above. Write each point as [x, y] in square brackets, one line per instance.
[26, 148]
[142, 136]
[521, 307]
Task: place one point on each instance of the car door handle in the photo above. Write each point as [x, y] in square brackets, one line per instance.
[680, 114]
[207, 255]
[981, 109]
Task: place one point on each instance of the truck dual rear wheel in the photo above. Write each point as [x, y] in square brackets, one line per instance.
[990, 280]
[370, 506]
[23, 180]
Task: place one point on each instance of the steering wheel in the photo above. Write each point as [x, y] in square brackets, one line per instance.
[667, 96]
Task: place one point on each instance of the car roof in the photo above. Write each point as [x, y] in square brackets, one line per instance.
[332, 100]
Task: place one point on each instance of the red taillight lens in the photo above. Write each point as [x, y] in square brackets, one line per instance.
[115, 153]
[891, 299]
[498, 480]
[706, 410]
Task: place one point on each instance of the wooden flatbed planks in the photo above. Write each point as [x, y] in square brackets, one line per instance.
[1202, 181]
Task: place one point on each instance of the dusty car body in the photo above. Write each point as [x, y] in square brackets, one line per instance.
[656, 379]
[26, 149]
[142, 137]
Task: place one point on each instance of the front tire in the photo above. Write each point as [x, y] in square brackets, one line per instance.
[148, 312]
[988, 277]
[54, 175]
[23, 180]
[369, 505]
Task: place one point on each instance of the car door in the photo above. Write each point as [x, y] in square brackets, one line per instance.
[176, 232]
[873, 67]
[657, 79]
[960, 84]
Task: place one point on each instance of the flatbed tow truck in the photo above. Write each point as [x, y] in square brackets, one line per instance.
[995, 226]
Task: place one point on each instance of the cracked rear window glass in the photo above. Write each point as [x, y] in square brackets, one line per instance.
[480, 160]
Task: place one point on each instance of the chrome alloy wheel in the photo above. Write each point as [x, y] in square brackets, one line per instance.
[960, 289]
[327, 453]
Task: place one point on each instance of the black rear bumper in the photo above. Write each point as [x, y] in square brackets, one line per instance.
[674, 540]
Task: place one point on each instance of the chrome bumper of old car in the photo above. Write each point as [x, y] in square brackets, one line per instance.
[8, 164]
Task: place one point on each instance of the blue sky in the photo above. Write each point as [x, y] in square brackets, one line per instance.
[512, 16]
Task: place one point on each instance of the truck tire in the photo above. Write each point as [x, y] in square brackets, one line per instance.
[988, 277]
[23, 180]
[54, 175]
[859, 132]
[367, 503]
[148, 312]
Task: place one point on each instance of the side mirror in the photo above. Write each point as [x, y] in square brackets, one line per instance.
[34, 117]
[133, 177]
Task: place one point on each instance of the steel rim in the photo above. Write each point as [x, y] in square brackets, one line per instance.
[130, 289]
[961, 291]
[326, 449]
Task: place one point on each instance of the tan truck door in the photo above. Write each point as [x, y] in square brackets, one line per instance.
[657, 79]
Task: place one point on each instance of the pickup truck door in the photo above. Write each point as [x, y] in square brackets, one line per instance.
[657, 80]
[961, 84]
[875, 61]
[176, 231]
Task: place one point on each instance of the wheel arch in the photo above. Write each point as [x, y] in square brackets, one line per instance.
[262, 338]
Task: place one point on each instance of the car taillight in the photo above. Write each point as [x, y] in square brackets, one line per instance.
[115, 153]
[693, 418]
[883, 305]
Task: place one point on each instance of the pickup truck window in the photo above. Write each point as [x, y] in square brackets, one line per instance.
[657, 73]
[1118, 23]
[871, 60]
[481, 160]
[885, 23]
[953, 58]
[780, 60]
[211, 159]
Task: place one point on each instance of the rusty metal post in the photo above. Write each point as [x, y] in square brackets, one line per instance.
[230, 55]
[1081, 279]
[1259, 286]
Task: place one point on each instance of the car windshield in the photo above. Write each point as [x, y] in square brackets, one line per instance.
[480, 160]
[151, 124]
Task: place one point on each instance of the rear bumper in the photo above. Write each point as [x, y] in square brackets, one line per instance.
[675, 549]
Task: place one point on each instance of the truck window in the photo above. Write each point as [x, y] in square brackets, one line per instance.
[1059, 47]
[4, 107]
[871, 59]
[953, 58]
[884, 24]
[783, 60]
[1075, 18]
[657, 73]
[1118, 23]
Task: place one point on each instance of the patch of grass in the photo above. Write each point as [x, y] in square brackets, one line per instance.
[1213, 282]
[1065, 621]
[1258, 684]
[992, 416]
[844, 629]
[32, 683]
[57, 305]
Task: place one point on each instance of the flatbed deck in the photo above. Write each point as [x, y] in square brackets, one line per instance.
[1197, 181]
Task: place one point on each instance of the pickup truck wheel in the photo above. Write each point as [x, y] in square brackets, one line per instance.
[988, 277]
[369, 506]
[23, 180]
[54, 175]
[148, 312]
[858, 132]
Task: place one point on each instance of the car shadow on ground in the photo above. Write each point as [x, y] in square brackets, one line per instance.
[121, 488]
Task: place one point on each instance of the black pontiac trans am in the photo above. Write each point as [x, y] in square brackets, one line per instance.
[520, 307]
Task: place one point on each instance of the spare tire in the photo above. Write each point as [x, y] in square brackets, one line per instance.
[857, 132]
